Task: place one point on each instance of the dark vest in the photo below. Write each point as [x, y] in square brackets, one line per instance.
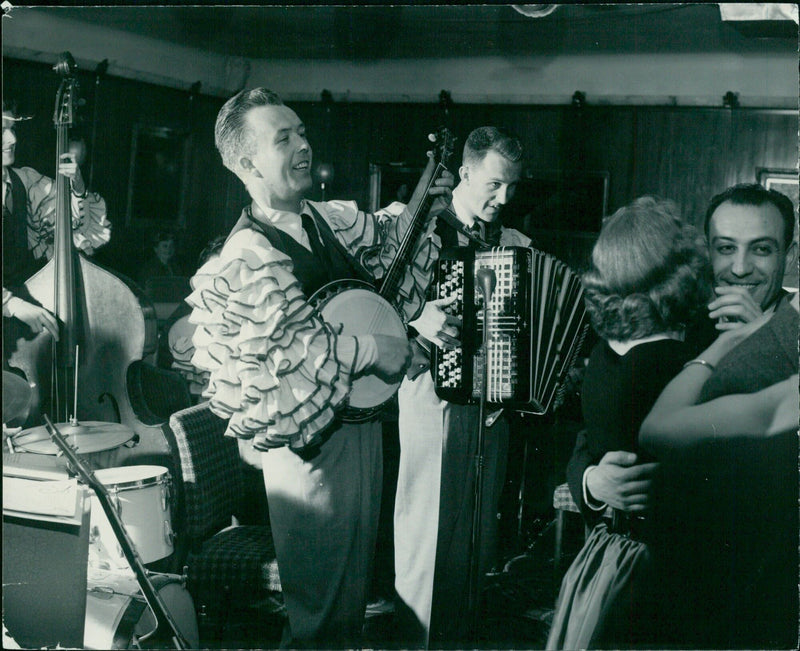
[326, 262]
[18, 261]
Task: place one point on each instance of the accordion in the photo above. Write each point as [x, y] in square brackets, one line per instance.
[536, 326]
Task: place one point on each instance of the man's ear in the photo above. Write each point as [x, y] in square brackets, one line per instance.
[463, 173]
[247, 167]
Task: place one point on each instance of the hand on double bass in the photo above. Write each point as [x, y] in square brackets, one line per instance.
[35, 317]
[68, 166]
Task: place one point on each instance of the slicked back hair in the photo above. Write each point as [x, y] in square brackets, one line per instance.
[485, 139]
[232, 136]
[753, 194]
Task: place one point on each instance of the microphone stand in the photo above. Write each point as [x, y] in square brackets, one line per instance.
[487, 281]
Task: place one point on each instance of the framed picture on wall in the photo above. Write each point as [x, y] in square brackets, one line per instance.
[157, 180]
[391, 182]
[784, 181]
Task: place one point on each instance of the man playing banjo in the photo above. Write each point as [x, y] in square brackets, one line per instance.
[280, 373]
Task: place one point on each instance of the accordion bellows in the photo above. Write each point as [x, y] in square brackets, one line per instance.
[536, 325]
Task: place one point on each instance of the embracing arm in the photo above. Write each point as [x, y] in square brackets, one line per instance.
[676, 423]
[618, 479]
[576, 467]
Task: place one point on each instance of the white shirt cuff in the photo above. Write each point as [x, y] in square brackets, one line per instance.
[590, 501]
[367, 352]
[11, 305]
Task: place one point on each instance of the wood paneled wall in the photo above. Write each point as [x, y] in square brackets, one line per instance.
[686, 154]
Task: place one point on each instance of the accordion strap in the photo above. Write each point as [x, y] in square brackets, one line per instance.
[450, 218]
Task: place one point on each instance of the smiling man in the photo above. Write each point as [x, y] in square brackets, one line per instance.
[280, 374]
[750, 234]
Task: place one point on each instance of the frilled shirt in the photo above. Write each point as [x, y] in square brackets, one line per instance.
[277, 370]
[90, 226]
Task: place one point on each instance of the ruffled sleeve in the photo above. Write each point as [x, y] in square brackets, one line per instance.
[277, 371]
[90, 226]
[360, 231]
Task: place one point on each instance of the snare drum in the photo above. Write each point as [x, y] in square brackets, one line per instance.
[117, 613]
[141, 495]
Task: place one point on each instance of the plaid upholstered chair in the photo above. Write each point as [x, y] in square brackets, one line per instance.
[228, 564]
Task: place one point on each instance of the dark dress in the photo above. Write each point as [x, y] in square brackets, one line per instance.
[618, 392]
[697, 339]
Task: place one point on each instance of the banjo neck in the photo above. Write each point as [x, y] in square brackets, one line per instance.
[418, 207]
[356, 307]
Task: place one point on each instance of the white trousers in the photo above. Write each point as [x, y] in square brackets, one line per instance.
[434, 507]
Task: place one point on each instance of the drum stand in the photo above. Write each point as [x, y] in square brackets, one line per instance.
[487, 281]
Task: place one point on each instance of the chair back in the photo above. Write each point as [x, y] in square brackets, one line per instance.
[210, 469]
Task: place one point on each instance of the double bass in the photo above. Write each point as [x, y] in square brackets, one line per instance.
[106, 323]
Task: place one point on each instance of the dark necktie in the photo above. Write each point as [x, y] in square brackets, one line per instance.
[476, 230]
[8, 201]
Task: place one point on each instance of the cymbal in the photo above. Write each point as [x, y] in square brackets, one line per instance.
[86, 437]
[16, 397]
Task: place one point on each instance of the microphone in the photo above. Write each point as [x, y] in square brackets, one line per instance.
[487, 280]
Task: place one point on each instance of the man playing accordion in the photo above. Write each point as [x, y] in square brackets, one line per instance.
[433, 507]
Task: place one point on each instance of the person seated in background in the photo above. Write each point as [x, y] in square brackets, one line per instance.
[648, 284]
[162, 262]
[750, 237]
[29, 211]
[175, 347]
[725, 432]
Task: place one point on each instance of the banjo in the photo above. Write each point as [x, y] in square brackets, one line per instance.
[356, 307]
